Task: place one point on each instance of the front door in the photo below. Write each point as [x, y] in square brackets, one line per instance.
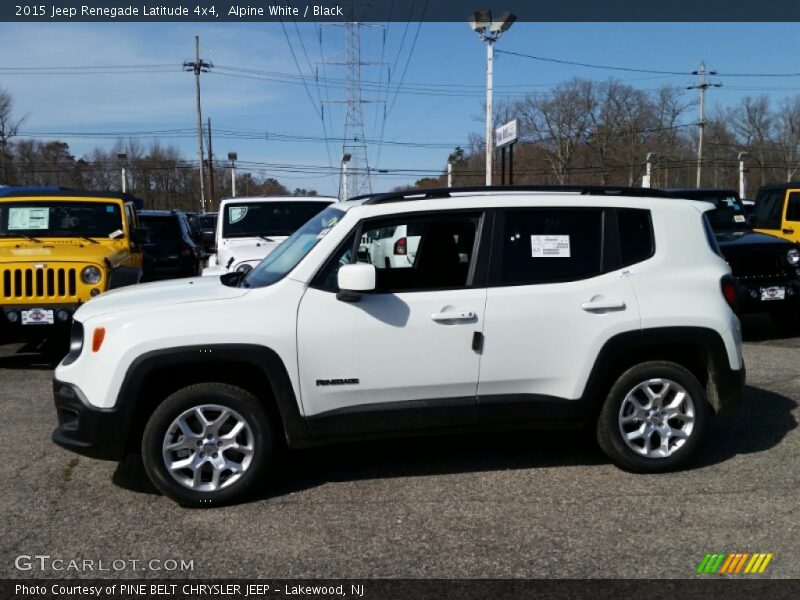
[404, 356]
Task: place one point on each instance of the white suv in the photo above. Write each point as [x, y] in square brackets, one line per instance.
[522, 308]
[249, 228]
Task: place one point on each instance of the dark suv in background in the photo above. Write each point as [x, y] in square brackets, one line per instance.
[767, 268]
[172, 251]
[204, 226]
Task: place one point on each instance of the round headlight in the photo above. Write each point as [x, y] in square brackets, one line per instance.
[244, 268]
[793, 256]
[91, 275]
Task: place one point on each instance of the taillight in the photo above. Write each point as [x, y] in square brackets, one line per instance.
[729, 290]
[186, 249]
[401, 247]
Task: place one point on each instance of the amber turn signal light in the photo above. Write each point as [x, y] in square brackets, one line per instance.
[97, 338]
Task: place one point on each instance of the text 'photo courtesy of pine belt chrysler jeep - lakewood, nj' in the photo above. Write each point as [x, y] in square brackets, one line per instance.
[58, 249]
[535, 307]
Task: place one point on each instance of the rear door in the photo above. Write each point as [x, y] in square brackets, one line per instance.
[557, 292]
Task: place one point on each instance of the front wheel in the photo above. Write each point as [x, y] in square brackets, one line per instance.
[653, 419]
[207, 444]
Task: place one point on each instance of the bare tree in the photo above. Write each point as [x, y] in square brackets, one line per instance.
[787, 135]
[9, 127]
[753, 124]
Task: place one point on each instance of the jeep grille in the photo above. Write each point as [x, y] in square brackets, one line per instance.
[29, 282]
[758, 263]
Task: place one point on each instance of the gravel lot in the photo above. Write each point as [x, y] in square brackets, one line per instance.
[521, 505]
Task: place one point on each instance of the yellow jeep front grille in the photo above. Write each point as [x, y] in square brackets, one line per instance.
[29, 283]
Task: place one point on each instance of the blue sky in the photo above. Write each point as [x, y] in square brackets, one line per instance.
[440, 101]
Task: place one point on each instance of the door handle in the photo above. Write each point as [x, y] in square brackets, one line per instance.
[455, 315]
[787, 230]
[603, 305]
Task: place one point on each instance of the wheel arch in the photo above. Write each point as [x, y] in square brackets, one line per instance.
[700, 350]
[155, 375]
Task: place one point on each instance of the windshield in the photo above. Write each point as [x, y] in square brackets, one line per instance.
[46, 218]
[254, 219]
[728, 214]
[286, 256]
[161, 228]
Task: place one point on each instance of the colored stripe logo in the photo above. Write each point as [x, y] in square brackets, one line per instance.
[734, 563]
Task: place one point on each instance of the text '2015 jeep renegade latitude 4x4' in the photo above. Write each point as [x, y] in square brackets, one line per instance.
[520, 308]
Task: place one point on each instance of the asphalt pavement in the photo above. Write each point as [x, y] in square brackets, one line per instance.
[480, 506]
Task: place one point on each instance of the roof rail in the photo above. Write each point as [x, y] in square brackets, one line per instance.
[584, 190]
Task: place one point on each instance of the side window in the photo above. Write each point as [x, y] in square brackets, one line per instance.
[550, 245]
[793, 207]
[411, 255]
[635, 235]
[769, 207]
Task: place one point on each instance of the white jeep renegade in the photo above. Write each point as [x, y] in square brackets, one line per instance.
[572, 306]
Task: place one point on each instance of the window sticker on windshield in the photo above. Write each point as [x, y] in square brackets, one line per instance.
[236, 213]
[739, 218]
[28, 217]
[331, 222]
[550, 246]
[109, 208]
[115, 234]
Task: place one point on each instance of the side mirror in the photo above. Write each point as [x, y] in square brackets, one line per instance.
[140, 235]
[354, 280]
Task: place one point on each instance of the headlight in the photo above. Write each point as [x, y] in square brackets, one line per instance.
[244, 268]
[793, 256]
[91, 275]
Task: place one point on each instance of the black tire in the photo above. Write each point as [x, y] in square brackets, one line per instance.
[609, 430]
[245, 405]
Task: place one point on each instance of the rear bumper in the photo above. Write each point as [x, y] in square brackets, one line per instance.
[88, 430]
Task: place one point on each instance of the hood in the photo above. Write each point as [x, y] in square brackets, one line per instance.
[148, 296]
[59, 251]
[250, 249]
[748, 237]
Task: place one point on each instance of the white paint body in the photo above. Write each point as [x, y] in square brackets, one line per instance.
[539, 339]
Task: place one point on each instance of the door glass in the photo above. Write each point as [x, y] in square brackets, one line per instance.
[550, 245]
[793, 207]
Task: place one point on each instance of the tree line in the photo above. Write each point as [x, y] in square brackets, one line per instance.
[157, 173]
[600, 133]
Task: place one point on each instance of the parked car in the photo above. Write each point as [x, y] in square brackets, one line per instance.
[173, 251]
[249, 228]
[572, 307]
[767, 268]
[394, 247]
[59, 248]
[204, 226]
[777, 210]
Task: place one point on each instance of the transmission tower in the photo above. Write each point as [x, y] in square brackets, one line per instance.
[359, 180]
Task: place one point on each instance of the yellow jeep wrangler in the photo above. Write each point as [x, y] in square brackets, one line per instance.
[58, 249]
[777, 210]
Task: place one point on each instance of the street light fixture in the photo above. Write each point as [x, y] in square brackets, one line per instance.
[344, 192]
[743, 156]
[490, 31]
[233, 157]
[123, 159]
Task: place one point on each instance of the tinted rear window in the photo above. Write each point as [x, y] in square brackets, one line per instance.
[161, 228]
[635, 235]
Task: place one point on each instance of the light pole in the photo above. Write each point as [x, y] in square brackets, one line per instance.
[122, 158]
[490, 31]
[743, 156]
[648, 176]
[233, 157]
[343, 195]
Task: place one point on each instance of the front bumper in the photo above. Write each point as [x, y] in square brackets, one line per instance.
[12, 331]
[88, 430]
[748, 296]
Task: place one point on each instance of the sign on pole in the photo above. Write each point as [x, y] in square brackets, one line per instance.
[505, 134]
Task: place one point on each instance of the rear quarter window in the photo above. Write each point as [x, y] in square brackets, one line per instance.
[636, 240]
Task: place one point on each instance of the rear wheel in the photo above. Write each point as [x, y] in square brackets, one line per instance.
[207, 444]
[653, 419]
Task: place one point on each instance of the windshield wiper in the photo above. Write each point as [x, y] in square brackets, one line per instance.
[266, 239]
[29, 238]
[86, 237]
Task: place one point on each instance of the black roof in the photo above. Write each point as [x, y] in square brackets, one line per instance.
[585, 190]
[158, 213]
[691, 193]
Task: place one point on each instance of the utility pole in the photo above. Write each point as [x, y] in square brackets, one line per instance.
[703, 85]
[743, 156]
[210, 168]
[233, 157]
[199, 66]
[490, 31]
[449, 174]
